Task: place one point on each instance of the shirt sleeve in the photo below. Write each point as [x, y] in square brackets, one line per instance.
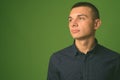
[52, 70]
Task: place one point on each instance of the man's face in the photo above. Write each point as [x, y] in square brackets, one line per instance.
[81, 23]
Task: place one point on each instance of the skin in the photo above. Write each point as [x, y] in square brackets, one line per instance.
[82, 27]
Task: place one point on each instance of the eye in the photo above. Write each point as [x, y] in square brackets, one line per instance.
[69, 19]
[81, 18]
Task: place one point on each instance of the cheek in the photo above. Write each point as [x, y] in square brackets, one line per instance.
[87, 28]
[69, 25]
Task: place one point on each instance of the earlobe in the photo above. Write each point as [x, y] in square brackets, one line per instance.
[97, 23]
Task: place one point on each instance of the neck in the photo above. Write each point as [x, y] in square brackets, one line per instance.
[85, 45]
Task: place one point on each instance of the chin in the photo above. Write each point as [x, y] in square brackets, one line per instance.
[79, 38]
[76, 36]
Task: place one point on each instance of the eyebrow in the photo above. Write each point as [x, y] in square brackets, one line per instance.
[82, 15]
[79, 15]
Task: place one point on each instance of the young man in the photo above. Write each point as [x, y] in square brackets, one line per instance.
[85, 59]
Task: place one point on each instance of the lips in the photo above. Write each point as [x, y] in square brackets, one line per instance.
[75, 31]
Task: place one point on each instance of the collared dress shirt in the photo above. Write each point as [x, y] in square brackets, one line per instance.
[100, 63]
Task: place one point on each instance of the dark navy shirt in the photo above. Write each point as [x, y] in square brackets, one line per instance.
[98, 64]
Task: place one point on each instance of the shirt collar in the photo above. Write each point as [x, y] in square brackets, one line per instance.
[76, 52]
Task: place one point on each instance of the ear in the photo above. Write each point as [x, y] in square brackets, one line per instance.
[97, 24]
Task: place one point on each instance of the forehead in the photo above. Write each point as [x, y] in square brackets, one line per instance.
[81, 10]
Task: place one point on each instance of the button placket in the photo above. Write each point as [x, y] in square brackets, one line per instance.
[85, 67]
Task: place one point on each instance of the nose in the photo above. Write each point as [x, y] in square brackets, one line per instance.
[74, 23]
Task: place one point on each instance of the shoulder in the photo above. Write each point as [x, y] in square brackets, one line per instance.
[63, 51]
[67, 51]
[107, 52]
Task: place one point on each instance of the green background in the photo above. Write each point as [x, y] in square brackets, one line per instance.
[31, 30]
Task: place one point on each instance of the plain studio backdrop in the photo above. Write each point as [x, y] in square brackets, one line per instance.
[31, 30]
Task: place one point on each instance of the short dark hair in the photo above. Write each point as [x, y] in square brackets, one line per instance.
[96, 14]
